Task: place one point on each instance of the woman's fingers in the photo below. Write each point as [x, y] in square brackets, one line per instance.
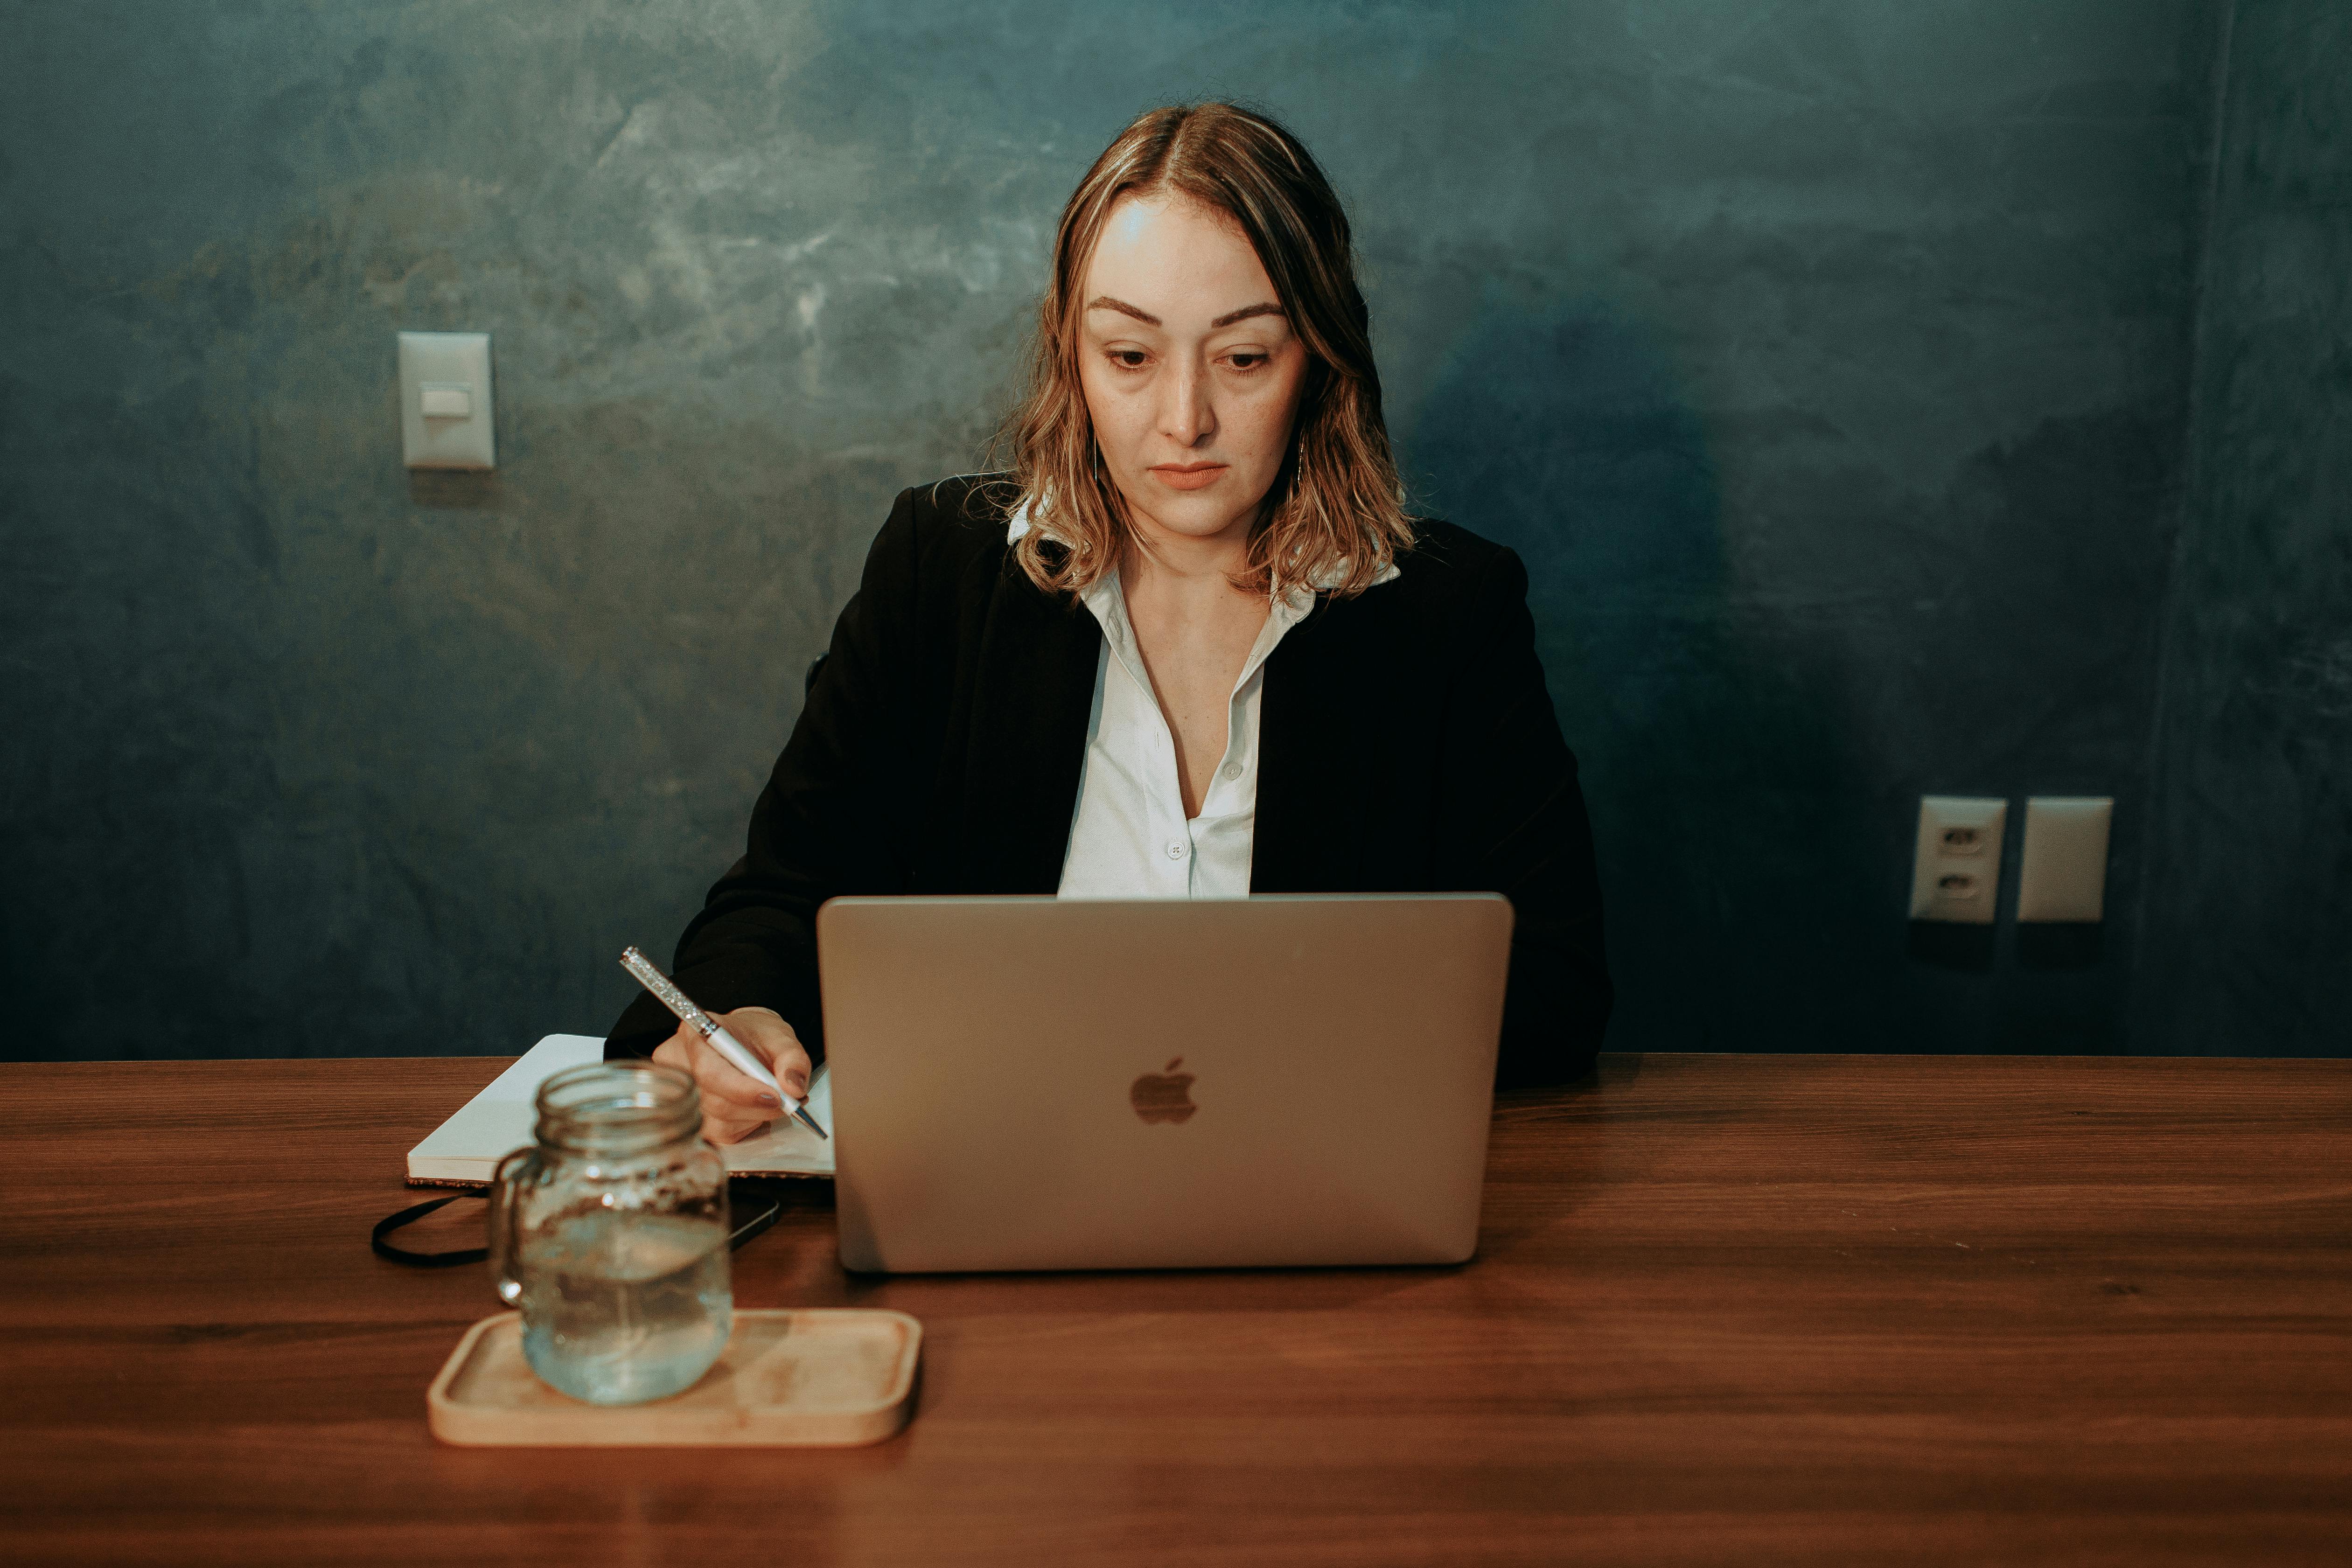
[671, 1053]
[734, 1106]
[771, 1038]
[723, 1080]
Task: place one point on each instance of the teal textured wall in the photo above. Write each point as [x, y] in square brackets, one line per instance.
[1828, 361]
[2248, 947]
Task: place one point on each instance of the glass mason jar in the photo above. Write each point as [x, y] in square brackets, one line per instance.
[610, 1235]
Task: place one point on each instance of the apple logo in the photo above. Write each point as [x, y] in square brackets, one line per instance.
[1165, 1095]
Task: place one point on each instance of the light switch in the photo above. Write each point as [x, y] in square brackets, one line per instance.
[1956, 868]
[445, 400]
[441, 401]
[2064, 874]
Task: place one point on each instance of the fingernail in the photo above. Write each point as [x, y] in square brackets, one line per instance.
[771, 1100]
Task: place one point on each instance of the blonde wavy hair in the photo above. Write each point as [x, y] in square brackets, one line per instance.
[1336, 518]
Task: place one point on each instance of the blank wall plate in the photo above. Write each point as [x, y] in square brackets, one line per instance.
[444, 400]
[2064, 874]
[1956, 870]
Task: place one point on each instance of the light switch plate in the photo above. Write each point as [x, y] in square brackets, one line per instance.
[2063, 875]
[439, 366]
[1956, 869]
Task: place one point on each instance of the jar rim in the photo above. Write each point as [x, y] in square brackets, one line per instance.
[618, 1107]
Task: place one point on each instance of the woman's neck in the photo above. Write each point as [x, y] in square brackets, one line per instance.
[1173, 568]
[1193, 630]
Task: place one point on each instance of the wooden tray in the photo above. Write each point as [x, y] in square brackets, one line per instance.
[815, 1377]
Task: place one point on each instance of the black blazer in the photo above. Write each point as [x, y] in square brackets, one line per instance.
[1406, 745]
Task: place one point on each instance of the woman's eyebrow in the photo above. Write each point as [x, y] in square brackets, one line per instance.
[1105, 302]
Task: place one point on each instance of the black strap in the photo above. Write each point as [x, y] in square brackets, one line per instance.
[410, 1216]
[771, 1199]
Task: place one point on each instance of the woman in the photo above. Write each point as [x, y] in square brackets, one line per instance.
[1188, 646]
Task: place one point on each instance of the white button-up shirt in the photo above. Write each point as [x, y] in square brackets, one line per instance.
[1130, 838]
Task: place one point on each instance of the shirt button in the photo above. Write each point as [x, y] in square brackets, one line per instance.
[1175, 849]
[1232, 771]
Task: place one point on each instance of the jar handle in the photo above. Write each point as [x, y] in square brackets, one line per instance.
[501, 1218]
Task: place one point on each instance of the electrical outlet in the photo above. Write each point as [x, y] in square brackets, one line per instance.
[2062, 874]
[1956, 869]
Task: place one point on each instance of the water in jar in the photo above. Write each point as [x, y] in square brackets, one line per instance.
[619, 1308]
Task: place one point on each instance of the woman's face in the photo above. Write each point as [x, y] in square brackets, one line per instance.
[1190, 368]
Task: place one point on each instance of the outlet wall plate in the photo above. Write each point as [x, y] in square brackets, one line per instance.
[1956, 868]
[2062, 875]
[444, 400]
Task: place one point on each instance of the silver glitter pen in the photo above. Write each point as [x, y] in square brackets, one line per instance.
[666, 993]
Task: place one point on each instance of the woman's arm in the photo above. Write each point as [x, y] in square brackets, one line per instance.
[823, 825]
[1512, 819]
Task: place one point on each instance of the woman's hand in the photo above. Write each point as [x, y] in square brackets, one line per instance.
[735, 1106]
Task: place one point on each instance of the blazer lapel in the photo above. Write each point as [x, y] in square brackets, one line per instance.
[1032, 695]
[1306, 838]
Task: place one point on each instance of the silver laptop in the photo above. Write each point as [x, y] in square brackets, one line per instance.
[1033, 1083]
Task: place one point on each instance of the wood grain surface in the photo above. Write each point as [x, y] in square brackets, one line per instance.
[1819, 1309]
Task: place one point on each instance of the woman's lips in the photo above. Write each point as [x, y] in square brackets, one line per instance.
[1188, 478]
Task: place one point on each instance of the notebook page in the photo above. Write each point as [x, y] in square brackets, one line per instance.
[466, 1147]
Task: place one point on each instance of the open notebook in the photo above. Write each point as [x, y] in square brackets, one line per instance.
[464, 1150]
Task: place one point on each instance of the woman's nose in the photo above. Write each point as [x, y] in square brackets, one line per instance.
[1185, 416]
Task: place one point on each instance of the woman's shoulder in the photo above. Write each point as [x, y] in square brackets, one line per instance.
[1449, 591]
[966, 503]
[961, 511]
[947, 530]
[1448, 563]
[949, 522]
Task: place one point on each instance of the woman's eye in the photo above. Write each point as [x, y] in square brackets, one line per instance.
[1128, 359]
[1245, 361]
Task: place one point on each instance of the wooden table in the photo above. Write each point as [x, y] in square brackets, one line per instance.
[1726, 1309]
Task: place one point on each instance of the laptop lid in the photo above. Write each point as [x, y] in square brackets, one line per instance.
[1039, 1084]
